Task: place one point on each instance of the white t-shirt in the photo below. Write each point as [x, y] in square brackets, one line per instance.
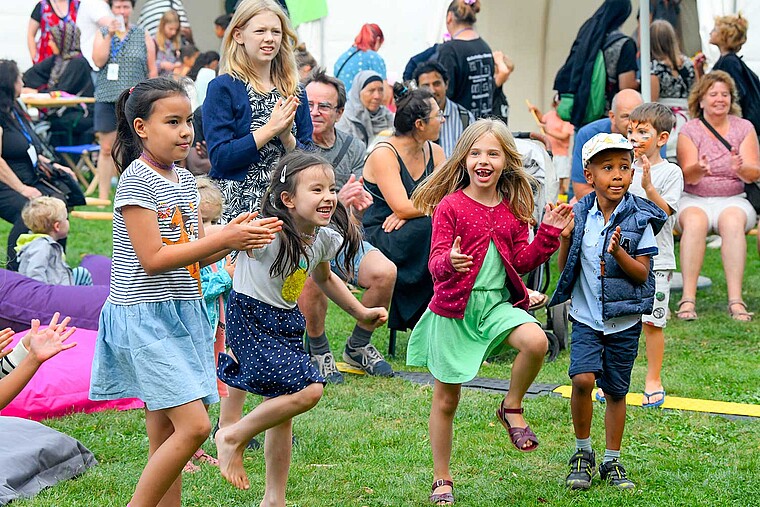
[90, 11]
[667, 178]
[252, 274]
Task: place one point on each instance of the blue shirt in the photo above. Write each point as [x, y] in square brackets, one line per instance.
[584, 134]
[452, 128]
[356, 62]
[586, 305]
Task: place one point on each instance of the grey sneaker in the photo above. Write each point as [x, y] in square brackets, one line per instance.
[614, 473]
[369, 359]
[325, 363]
[582, 468]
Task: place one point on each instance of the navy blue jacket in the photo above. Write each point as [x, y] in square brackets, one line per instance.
[227, 127]
[620, 295]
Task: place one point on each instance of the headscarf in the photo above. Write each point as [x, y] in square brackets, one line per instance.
[66, 38]
[358, 115]
[575, 76]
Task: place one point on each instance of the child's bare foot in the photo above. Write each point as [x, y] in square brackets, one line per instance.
[231, 460]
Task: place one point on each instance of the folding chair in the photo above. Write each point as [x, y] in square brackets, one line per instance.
[83, 151]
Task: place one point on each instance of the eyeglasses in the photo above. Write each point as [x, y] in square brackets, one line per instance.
[438, 115]
[322, 107]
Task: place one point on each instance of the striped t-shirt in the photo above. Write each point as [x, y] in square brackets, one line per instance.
[176, 208]
[151, 12]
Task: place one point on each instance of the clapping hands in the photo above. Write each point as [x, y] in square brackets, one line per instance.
[558, 215]
[352, 194]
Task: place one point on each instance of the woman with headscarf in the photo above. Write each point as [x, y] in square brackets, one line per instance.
[362, 55]
[599, 32]
[365, 115]
[66, 70]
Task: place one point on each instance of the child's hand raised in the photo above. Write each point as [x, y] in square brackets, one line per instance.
[614, 242]
[646, 173]
[375, 316]
[559, 215]
[6, 336]
[44, 344]
[460, 261]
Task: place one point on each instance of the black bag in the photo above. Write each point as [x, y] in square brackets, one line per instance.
[54, 182]
[751, 189]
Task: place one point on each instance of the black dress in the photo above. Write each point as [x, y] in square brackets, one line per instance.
[408, 248]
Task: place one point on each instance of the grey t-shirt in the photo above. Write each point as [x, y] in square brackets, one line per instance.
[351, 163]
[252, 273]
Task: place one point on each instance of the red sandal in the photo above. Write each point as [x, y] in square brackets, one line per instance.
[437, 498]
[519, 436]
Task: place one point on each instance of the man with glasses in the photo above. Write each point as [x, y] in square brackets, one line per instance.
[433, 76]
[372, 270]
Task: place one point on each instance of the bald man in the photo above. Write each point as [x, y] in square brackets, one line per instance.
[623, 103]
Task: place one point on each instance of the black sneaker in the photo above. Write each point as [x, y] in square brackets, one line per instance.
[325, 363]
[614, 473]
[369, 359]
[582, 468]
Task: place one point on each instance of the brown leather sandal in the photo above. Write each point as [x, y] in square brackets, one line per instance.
[742, 315]
[519, 436]
[446, 498]
[687, 315]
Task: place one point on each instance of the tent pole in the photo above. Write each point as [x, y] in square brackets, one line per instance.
[646, 64]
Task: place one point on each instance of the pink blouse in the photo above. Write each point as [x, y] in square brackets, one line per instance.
[722, 181]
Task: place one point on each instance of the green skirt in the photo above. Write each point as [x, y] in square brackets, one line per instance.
[454, 349]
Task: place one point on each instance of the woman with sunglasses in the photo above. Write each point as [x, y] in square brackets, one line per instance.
[393, 170]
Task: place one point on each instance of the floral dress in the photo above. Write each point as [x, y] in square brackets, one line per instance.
[46, 16]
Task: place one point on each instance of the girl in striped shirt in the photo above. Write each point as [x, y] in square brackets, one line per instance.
[154, 340]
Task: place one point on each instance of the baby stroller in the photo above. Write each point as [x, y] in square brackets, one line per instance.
[538, 163]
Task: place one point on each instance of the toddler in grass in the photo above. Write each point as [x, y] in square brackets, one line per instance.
[482, 206]
[605, 257]
[661, 182]
[40, 254]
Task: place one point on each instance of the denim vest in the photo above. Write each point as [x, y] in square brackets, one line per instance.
[620, 296]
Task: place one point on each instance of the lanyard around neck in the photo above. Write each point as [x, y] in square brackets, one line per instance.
[116, 49]
[27, 135]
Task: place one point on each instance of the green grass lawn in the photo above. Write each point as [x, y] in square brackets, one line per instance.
[366, 442]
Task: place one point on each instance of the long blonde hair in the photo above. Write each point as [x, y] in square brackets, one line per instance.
[169, 16]
[235, 61]
[515, 184]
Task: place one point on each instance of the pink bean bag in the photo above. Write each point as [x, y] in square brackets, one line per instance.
[62, 383]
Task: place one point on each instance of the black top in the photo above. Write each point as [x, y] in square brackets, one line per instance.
[15, 148]
[470, 66]
[408, 248]
[747, 86]
[625, 55]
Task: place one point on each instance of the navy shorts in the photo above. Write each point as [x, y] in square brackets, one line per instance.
[609, 357]
[105, 117]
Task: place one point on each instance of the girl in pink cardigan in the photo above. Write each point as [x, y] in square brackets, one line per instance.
[482, 204]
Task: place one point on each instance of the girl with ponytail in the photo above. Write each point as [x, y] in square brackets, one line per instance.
[154, 341]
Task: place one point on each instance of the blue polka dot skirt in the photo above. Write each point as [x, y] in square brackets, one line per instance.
[268, 344]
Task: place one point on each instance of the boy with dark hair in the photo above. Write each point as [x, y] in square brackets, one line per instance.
[605, 259]
[661, 182]
[433, 76]
[221, 23]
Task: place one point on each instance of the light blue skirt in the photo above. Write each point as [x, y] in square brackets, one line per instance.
[161, 353]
